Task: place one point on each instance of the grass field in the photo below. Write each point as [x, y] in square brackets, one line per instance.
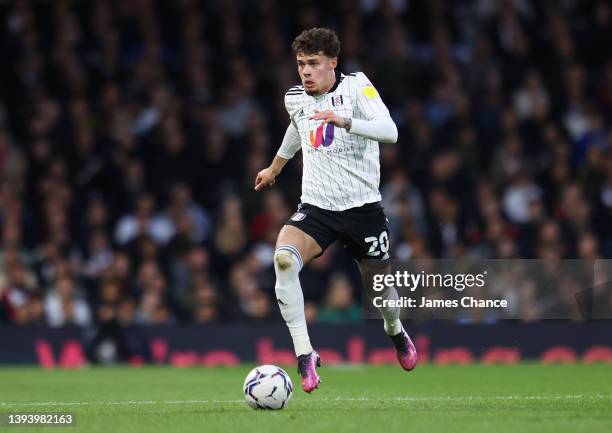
[476, 398]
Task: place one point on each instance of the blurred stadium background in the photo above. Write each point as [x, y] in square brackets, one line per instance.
[131, 133]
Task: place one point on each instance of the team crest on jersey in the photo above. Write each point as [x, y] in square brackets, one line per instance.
[298, 216]
[318, 138]
[337, 101]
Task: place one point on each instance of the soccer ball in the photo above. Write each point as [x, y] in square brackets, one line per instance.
[267, 387]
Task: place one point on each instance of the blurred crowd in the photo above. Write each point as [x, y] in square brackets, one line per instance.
[131, 133]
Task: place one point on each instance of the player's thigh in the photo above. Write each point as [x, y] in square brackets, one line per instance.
[303, 242]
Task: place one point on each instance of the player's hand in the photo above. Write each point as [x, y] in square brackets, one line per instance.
[265, 177]
[328, 116]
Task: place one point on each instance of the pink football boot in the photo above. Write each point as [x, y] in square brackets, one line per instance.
[307, 368]
[406, 352]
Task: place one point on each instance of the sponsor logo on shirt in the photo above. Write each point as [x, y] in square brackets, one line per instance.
[320, 137]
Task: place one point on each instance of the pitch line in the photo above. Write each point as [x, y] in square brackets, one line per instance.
[325, 399]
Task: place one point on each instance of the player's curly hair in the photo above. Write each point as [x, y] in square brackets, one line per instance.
[316, 40]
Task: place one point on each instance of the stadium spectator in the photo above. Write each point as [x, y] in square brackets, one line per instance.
[339, 305]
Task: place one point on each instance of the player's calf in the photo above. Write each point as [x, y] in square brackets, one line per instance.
[406, 352]
[287, 266]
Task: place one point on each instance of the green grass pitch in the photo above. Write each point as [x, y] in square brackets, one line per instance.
[475, 398]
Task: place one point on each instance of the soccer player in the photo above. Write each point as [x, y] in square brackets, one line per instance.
[337, 121]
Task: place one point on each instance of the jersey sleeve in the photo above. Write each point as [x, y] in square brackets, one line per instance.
[291, 143]
[292, 100]
[368, 100]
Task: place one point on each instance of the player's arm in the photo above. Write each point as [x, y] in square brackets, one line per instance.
[377, 124]
[289, 147]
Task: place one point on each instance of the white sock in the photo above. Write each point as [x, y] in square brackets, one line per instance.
[287, 265]
[390, 315]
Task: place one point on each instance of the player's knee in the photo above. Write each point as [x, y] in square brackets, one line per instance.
[372, 271]
[287, 265]
[283, 260]
[287, 259]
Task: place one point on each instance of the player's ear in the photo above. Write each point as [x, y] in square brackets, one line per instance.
[333, 62]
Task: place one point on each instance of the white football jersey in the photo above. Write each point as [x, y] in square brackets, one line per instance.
[341, 170]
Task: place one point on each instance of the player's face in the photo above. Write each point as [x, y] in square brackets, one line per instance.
[316, 71]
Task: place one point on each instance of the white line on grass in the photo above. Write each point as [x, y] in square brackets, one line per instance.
[325, 399]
